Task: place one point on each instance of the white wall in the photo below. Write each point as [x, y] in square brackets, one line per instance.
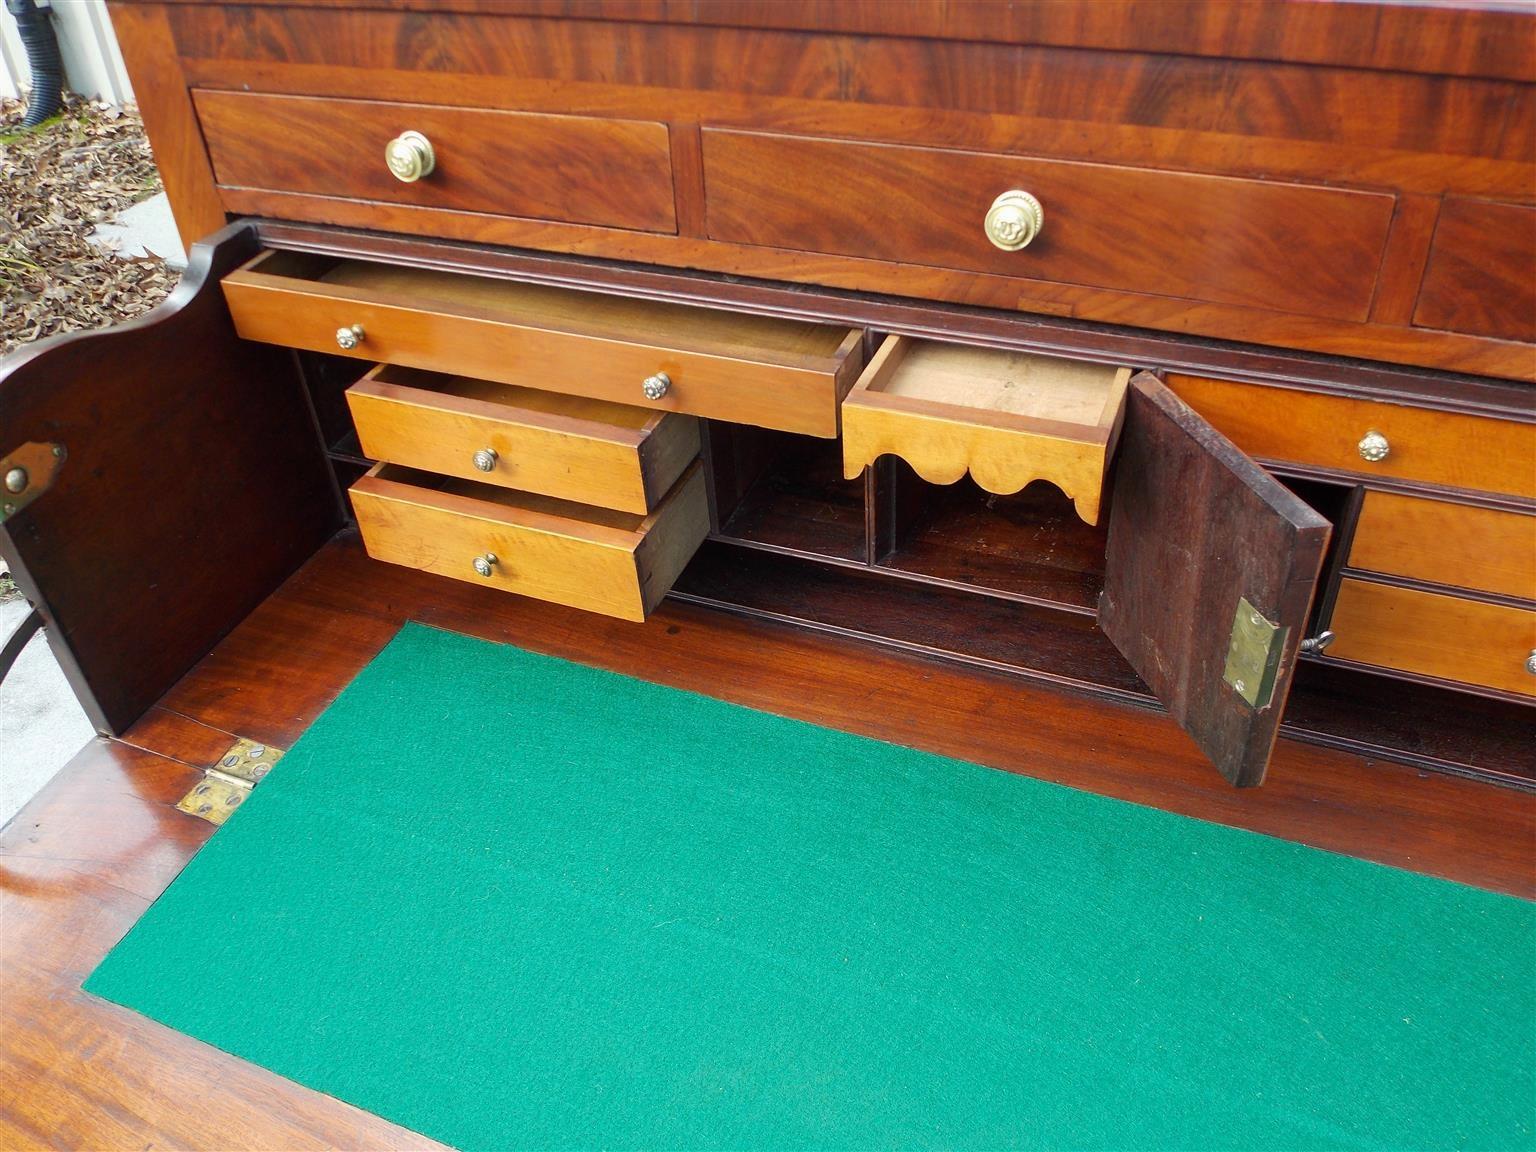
[93, 66]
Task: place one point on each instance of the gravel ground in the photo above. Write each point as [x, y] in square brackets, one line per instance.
[57, 183]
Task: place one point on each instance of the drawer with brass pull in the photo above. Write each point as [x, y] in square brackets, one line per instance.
[783, 374]
[1430, 634]
[590, 451]
[516, 164]
[1051, 221]
[1368, 437]
[1007, 418]
[616, 563]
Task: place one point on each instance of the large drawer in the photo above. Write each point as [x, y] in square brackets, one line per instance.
[596, 559]
[1468, 641]
[782, 374]
[502, 163]
[571, 447]
[1463, 545]
[1287, 247]
[1368, 437]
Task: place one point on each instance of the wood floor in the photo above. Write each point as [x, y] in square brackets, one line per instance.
[88, 855]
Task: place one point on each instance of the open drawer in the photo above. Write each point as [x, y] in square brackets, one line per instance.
[575, 448]
[1005, 417]
[784, 374]
[597, 559]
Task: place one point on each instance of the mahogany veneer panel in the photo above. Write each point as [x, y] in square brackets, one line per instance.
[616, 173]
[1202, 237]
[1481, 276]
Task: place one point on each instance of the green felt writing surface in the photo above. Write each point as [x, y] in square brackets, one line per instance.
[561, 908]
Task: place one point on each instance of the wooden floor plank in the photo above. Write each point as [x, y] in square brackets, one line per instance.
[84, 859]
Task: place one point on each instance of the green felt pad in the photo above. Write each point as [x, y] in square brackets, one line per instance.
[513, 902]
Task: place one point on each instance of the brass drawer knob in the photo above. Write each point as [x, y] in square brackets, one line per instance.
[1014, 219]
[1530, 662]
[484, 565]
[1374, 446]
[655, 387]
[349, 337]
[485, 459]
[410, 157]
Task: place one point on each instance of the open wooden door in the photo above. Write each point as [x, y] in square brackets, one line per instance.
[1209, 579]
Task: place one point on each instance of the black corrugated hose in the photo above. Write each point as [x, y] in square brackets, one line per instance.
[37, 36]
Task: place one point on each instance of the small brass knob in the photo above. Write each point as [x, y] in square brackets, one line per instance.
[484, 565]
[485, 459]
[1014, 219]
[16, 480]
[410, 157]
[655, 387]
[1374, 446]
[349, 337]
[1530, 662]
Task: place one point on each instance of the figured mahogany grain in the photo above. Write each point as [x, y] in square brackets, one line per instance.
[1481, 276]
[502, 163]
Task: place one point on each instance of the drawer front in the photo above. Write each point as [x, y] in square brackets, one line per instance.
[563, 446]
[1459, 544]
[778, 374]
[1467, 641]
[1481, 275]
[1284, 247]
[559, 553]
[1446, 448]
[501, 163]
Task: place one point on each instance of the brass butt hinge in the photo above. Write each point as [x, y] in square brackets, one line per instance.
[26, 474]
[225, 786]
[1253, 655]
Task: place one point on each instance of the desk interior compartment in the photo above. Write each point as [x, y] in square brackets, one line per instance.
[1005, 417]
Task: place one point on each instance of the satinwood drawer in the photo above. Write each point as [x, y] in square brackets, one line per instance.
[313, 149]
[784, 374]
[1476, 642]
[590, 451]
[616, 563]
[1276, 246]
[1005, 417]
[1464, 545]
[1368, 437]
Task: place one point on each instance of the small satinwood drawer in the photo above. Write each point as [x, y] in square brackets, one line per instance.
[597, 559]
[590, 451]
[784, 374]
[1368, 437]
[1429, 634]
[292, 155]
[1007, 418]
[1489, 549]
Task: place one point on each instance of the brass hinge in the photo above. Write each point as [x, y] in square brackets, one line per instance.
[1253, 655]
[26, 474]
[226, 785]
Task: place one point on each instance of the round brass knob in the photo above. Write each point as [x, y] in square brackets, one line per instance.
[1373, 446]
[1014, 219]
[485, 459]
[410, 157]
[16, 480]
[349, 337]
[1530, 662]
[484, 565]
[655, 387]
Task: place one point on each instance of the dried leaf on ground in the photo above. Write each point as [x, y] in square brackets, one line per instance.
[57, 182]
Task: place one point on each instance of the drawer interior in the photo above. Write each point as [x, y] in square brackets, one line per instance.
[510, 400]
[646, 322]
